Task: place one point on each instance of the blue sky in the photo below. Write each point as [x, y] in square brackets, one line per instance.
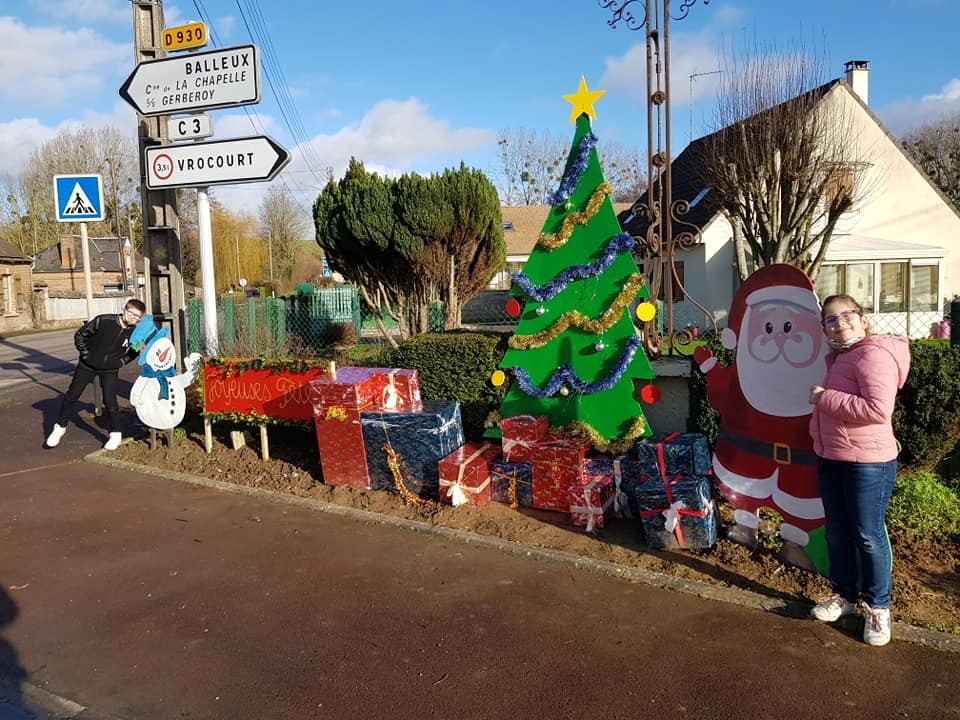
[411, 86]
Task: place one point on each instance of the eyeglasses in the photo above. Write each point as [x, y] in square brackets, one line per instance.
[846, 317]
[133, 314]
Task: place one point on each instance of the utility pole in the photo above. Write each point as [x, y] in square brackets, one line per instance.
[161, 226]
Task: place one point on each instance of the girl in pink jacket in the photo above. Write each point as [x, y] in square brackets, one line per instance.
[853, 439]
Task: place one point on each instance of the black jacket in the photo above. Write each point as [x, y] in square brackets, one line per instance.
[103, 344]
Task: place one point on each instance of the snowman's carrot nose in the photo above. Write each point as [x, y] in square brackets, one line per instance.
[163, 355]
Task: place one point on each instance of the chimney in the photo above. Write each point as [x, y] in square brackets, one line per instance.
[67, 256]
[858, 78]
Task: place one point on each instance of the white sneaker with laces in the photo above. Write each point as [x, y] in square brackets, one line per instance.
[113, 442]
[53, 439]
[876, 625]
[832, 608]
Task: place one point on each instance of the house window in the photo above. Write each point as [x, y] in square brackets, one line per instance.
[830, 281]
[9, 296]
[924, 287]
[859, 284]
[893, 287]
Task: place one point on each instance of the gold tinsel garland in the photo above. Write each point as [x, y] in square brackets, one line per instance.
[393, 462]
[578, 319]
[618, 446]
[552, 241]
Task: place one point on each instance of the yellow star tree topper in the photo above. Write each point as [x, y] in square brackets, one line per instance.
[583, 100]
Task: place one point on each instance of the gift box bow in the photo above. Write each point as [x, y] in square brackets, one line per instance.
[457, 492]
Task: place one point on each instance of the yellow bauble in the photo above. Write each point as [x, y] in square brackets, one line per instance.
[646, 311]
[498, 378]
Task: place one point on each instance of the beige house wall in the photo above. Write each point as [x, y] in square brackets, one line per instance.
[21, 285]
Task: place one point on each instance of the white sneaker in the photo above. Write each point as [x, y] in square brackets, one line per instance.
[832, 608]
[876, 625]
[53, 439]
[113, 442]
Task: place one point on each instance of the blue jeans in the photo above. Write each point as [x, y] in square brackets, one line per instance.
[855, 497]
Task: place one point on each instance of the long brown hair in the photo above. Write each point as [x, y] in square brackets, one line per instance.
[850, 301]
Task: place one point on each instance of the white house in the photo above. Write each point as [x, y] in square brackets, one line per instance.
[895, 251]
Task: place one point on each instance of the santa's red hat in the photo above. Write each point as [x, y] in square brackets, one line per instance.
[782, 283]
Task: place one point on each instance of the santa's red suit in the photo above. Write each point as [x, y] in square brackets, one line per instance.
[764, 454]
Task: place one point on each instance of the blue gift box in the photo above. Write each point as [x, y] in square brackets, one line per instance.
[685, 517]
[629, 481]
[518, 475]
[686, 453]
[420, 439]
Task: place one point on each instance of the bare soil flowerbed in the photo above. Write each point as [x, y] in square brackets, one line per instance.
[926, 575]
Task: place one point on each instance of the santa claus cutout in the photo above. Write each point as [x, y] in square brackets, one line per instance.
[764, 455]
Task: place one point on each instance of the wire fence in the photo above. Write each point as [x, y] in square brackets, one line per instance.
[307, 324]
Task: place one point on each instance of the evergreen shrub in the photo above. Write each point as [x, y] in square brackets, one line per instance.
[923, 507]
[455, 366]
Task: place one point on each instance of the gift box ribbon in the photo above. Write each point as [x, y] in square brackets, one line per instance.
[675, 508]
[512, 488]
[457, 491]
[588, 507]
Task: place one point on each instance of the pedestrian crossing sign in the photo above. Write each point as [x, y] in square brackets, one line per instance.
[78, 198]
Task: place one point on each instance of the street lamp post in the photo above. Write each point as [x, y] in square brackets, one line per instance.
[659, 209]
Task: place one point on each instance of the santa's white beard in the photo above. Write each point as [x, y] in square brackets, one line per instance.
[775, 386]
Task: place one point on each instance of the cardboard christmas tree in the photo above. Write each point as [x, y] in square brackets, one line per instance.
[576, 354]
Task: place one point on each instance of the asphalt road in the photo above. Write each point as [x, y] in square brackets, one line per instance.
[134, 596]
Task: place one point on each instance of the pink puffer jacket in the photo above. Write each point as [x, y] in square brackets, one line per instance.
[851, 420]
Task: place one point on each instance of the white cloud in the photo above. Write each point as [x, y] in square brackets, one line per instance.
[391, 137]
[905, 115]
[55, 66]
[89, 11]
[18, 139]
[689, 54]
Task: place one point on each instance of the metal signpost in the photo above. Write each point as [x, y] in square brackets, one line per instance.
[79, 198]
[197, 81]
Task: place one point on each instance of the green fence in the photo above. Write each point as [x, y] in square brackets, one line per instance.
[253, 326]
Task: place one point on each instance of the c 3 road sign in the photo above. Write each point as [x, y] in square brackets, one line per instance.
[217, 162]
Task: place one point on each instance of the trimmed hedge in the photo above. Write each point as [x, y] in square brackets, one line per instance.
[455, 365]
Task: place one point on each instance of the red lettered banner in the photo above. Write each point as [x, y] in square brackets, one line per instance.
[270, 392]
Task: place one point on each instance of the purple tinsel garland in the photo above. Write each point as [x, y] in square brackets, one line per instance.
[565, 374]
[619, 243]
[572, 176]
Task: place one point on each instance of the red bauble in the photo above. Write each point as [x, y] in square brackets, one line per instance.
[650, 394]
[513, 307]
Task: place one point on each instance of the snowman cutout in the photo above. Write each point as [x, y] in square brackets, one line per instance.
[158, 394]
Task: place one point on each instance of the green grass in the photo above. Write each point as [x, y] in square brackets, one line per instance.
[924, 507]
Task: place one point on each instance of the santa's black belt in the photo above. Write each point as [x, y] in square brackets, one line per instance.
[781, 453]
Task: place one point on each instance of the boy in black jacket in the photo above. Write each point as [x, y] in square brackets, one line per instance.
[104, 346]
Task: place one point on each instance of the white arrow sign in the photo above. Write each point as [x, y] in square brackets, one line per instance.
[218, 162]
[198, 81]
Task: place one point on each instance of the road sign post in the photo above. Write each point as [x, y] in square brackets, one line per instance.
[217, 162]
[227, 77]
[79, 198]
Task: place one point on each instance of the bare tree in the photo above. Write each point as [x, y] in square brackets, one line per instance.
[285, 227]
[936, 148]
[531, 167]
[785, 165]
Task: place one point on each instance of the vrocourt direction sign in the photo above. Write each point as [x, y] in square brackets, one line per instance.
[217, 162]
[227, 77]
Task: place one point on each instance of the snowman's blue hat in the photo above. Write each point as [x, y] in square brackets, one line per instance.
[145, 334]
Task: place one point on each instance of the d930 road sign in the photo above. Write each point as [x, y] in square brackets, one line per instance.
[198, 81]
[218, 162]
[182, 37]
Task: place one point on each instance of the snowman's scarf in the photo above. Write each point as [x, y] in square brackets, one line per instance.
[161, 376]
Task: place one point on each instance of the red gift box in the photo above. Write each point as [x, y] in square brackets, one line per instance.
[519, 433]
[557, 464]
[399, 390]
[351, 386]
[465, 474]
[591, 501]
[343, 458]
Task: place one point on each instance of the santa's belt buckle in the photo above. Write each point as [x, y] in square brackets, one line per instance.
[781, 454]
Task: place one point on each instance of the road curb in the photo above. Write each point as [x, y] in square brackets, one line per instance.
[735, 596]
